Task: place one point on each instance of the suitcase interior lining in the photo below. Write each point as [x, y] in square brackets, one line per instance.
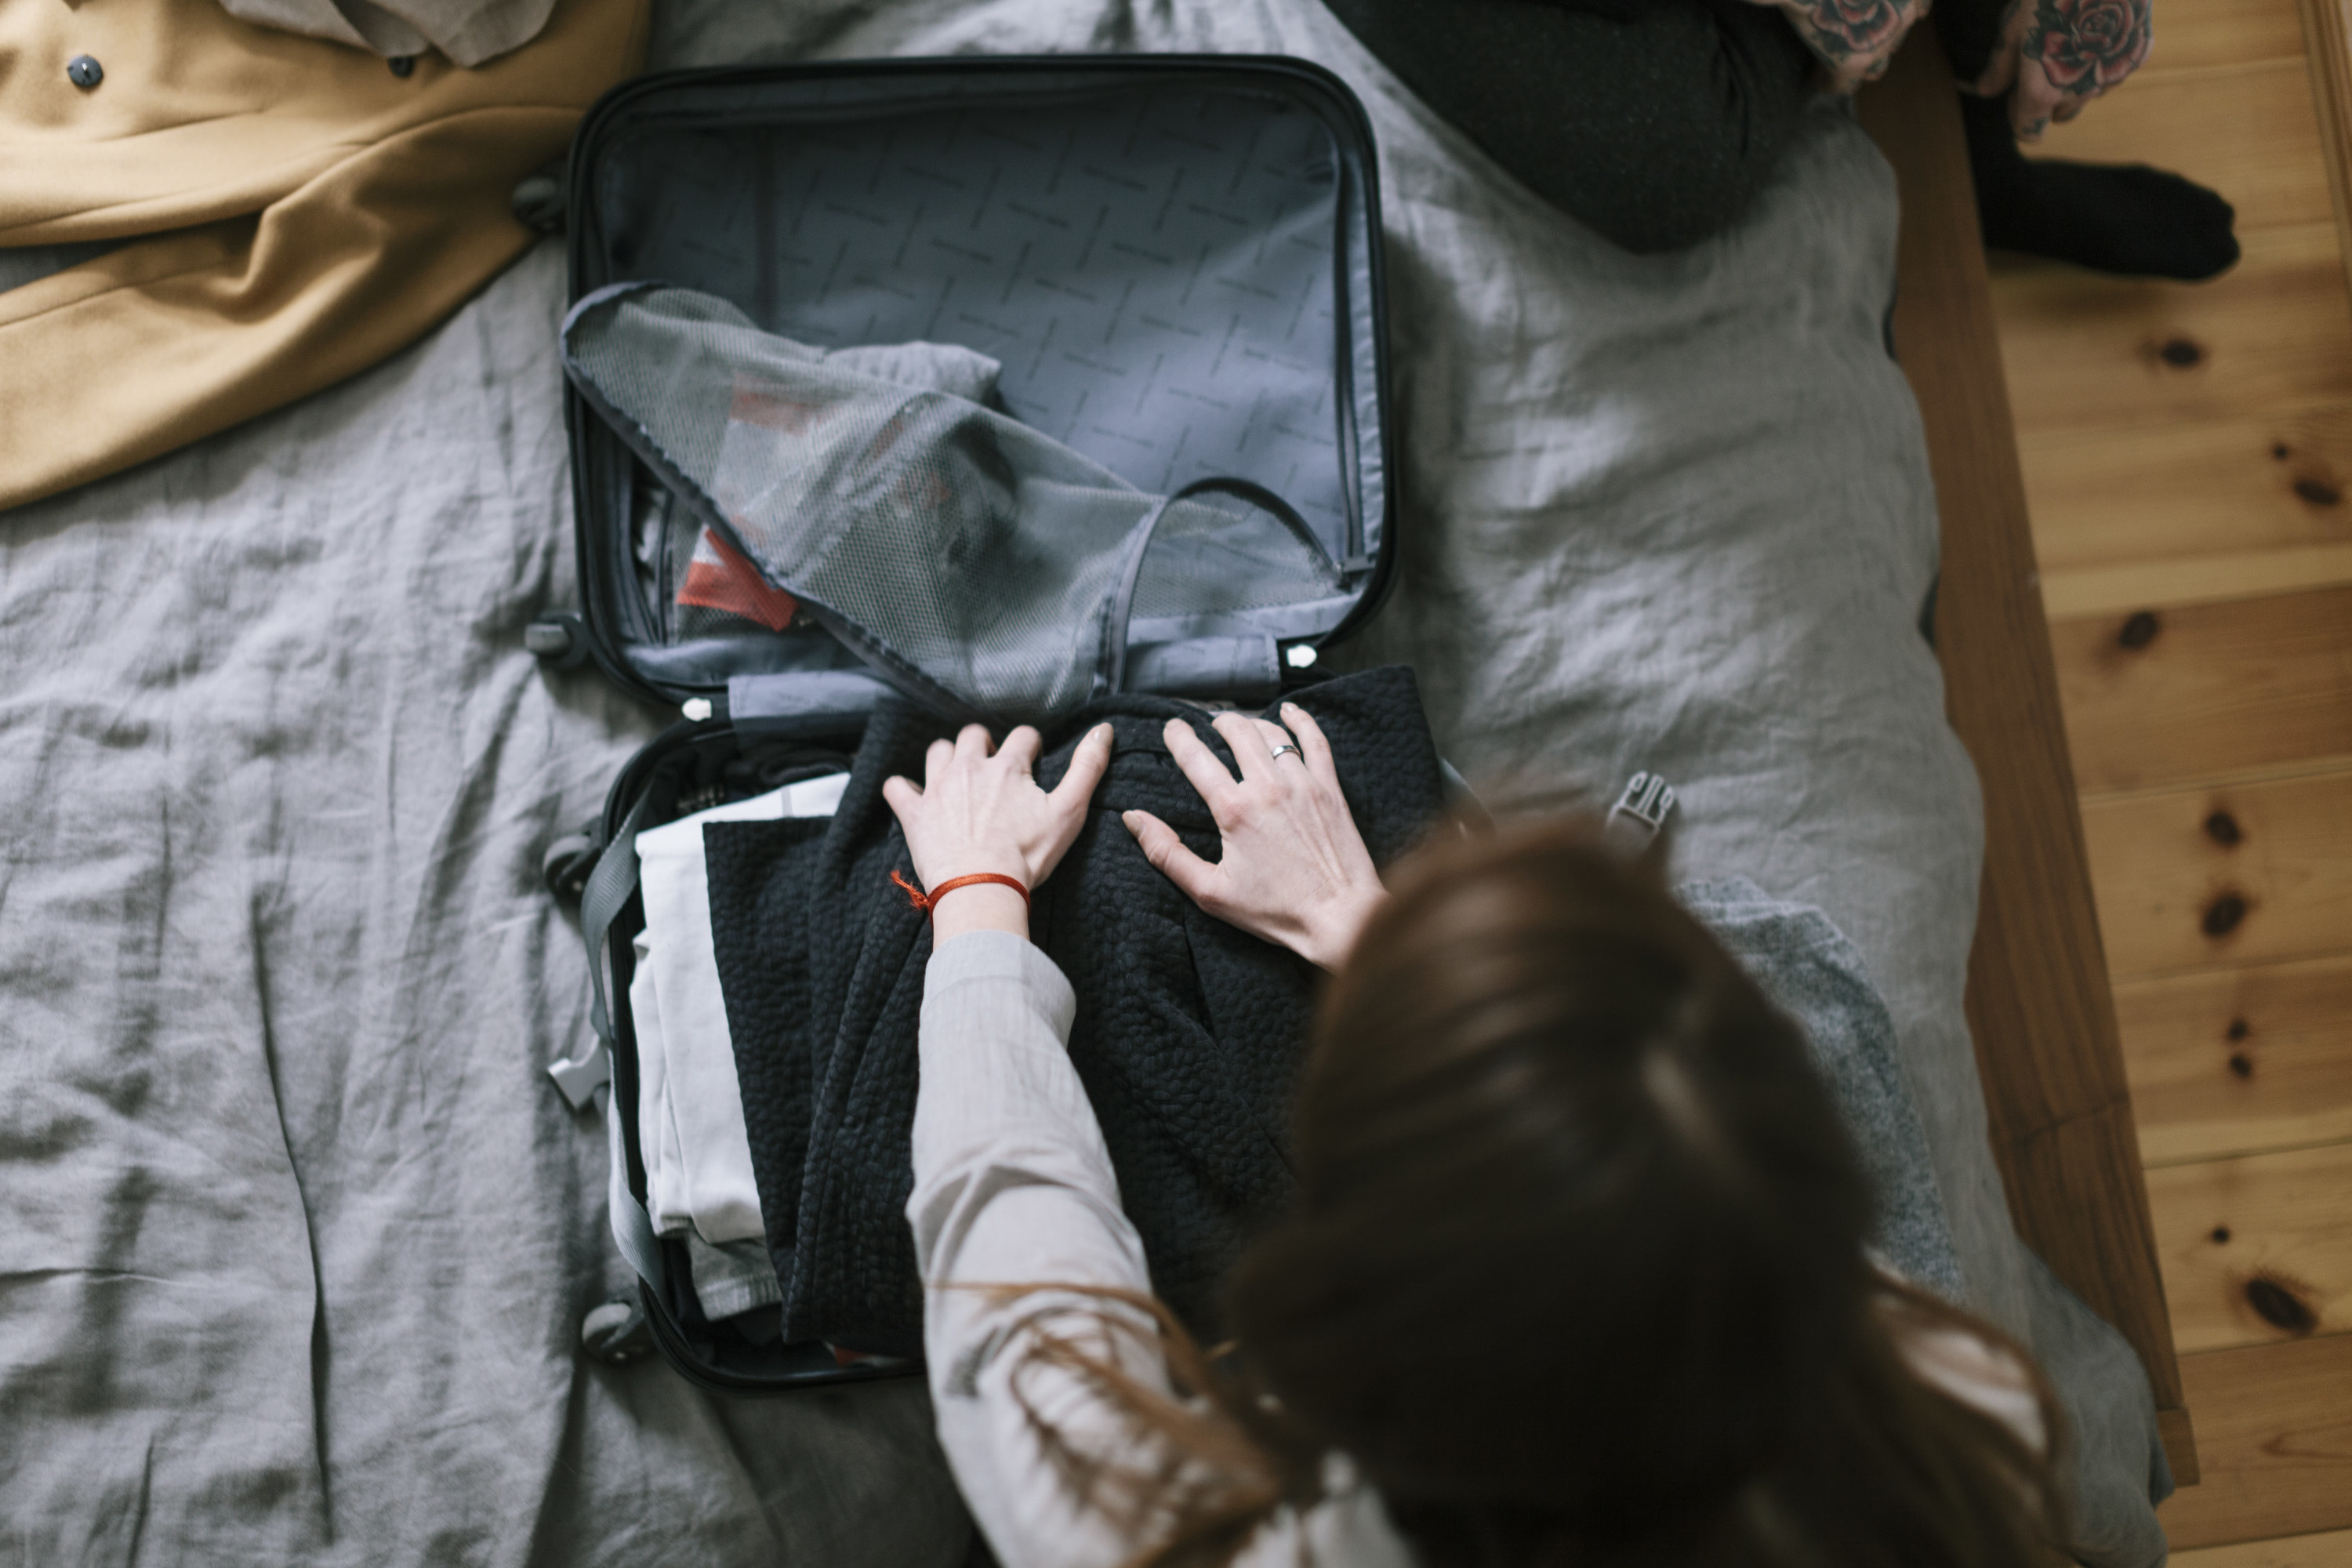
[1173, 269]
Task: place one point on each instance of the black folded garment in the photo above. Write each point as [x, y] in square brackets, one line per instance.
[1187, 1037]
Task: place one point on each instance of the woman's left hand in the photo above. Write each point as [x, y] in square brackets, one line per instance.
[979, 810]
[1294, 869]
[1855, 40]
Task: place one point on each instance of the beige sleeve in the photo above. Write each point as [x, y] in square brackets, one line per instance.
[294, 213]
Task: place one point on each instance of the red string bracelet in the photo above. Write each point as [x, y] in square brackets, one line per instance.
[931, 902]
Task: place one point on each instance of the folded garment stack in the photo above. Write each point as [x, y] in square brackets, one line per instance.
[699, 1189]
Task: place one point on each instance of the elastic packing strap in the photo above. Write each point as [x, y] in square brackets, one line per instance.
[589, 1076]
[1118, 608]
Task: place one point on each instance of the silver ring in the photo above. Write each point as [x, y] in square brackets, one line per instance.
[1287, 746]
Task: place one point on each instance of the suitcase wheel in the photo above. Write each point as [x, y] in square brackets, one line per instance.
[617, 1333]
[567, 863]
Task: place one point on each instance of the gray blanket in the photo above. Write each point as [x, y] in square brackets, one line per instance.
[299, 1237]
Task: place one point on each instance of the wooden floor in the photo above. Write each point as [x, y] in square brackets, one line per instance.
[2188, 456]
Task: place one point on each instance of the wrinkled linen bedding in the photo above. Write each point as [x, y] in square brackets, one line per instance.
[299, 1237]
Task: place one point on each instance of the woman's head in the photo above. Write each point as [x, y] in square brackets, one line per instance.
[1579, 1229]
[1575, 1272]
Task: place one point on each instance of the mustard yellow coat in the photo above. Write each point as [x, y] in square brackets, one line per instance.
[306, 209]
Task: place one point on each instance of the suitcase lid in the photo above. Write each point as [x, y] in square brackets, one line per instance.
[1173, 259]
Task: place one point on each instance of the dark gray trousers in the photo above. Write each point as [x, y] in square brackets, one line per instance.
[1653, 122]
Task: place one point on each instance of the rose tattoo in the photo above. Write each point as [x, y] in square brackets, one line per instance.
[1855, 38]
[1841, 29]
[2055, 56]
[2087, 47]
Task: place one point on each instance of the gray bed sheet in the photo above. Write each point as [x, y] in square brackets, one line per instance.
[299, 1236]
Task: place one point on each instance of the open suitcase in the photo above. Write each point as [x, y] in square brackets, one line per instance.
[1173, 263]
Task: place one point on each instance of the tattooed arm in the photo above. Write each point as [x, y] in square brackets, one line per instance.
[2055, 56]
[1854, 38]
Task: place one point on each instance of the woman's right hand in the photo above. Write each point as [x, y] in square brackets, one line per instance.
[1295, 870]
[979, 811]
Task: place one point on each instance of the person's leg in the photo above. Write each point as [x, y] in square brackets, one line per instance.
[2123, 219]
[1970, 31]
[1653, 121]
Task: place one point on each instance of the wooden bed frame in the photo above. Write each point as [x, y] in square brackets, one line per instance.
[2039, 1003]
[2327, 46]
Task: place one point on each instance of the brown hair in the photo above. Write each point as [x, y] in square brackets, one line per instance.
[1575, 1272]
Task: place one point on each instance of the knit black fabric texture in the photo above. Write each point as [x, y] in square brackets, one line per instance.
[1188, 1033]
[1654, 123]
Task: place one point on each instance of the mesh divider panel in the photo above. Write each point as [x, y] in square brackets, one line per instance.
[974, 548]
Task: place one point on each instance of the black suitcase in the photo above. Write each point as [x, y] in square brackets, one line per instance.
[1175, 262]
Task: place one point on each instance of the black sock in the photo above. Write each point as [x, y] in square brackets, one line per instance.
[2125, 219]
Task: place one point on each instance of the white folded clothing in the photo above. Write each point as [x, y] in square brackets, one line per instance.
[733, 1280]
[689, 1105]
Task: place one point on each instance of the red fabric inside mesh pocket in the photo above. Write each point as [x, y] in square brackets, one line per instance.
[717, 577]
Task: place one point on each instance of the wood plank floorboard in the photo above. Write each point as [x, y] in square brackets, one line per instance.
[2208, 35]
[2258, 137]
[2122, 589]
[2274, 1440]
[2274, 335]
[2235, 486]
[2241, 873]
[2163, 697]
[2331, 1550]
[2239, 1060]
[2255, 1249]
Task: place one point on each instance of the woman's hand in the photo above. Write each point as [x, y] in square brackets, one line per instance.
[1855, 40]
[2055, 56]
[979, 810]
[1295, 870]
